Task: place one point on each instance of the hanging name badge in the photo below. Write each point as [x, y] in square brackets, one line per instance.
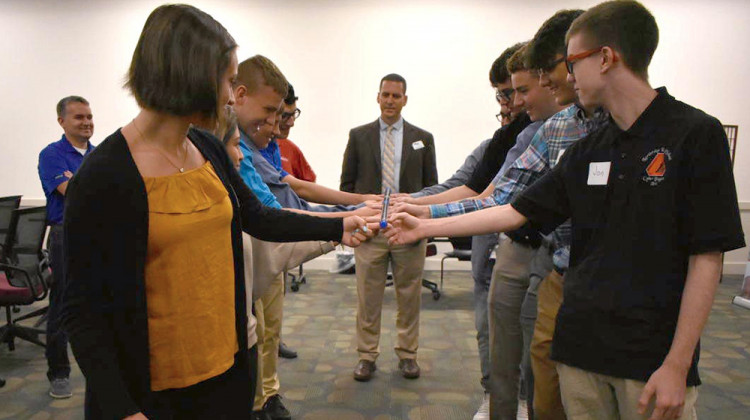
[599, 173]
[417, 145]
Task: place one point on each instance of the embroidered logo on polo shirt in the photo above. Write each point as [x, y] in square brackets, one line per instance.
[656, 168]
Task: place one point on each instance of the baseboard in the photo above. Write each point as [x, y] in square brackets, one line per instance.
[734, 267]
[33, 202]
[325, 262]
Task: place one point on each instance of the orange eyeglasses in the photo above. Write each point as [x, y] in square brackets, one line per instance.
[572, 59]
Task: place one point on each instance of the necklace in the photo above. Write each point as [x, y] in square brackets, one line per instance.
[184, 157]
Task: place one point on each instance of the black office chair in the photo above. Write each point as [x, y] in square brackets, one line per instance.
[731, 132]
[430, 251]
[461, 251]
[7, 205]
[24, 275]
[297, 279]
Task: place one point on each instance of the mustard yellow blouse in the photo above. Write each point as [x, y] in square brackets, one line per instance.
[189, 279]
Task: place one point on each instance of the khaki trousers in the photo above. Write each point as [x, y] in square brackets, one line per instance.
[547, 400]
[269, 310]
[592, 396]
[372, 258]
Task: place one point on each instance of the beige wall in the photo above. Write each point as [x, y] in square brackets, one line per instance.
[334, 52]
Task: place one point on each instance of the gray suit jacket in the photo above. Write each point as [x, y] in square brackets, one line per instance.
[361, 171]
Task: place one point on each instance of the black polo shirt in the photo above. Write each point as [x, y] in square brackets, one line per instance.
[494, 156]
[642, 201]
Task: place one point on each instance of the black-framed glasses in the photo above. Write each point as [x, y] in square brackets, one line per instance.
[502, 115]
[286, 115]
[550, 67]
[574, 58]
[504, 94]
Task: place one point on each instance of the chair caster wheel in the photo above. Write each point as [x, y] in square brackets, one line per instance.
[435, 295]
[295, 287]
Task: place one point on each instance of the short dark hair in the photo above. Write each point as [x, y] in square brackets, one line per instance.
[393, 77]
[259, 70]
[290, 98]
[227, 125]
[62, 106]
[179, 61]
[624, 25]
[549, 40]
[517, 61]
[498, 71]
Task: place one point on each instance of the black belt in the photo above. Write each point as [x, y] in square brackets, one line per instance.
[529, 239]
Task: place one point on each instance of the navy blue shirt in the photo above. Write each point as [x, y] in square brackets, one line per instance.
[54, 160]
[272, 153]
[283, 191]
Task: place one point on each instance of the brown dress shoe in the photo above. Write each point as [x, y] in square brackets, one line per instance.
[364, 370]
[409, 368]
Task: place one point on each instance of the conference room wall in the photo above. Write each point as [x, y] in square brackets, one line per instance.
[335, 52]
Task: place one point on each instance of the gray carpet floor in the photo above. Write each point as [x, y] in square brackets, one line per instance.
[319, 323]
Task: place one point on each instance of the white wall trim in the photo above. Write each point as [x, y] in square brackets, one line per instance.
[33, 202]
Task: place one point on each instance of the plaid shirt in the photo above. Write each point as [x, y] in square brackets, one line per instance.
[547, 147]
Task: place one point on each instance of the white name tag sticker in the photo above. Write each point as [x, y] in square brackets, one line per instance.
[417, 145]
[599, 173]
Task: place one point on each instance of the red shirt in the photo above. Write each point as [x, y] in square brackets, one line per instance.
[294, 162]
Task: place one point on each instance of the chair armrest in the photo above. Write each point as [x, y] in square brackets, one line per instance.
[26, 279]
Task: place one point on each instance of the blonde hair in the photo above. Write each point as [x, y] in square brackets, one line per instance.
[257, 71]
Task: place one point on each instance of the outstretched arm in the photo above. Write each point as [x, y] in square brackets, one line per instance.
[406, 228]
[364, 211]
[456, 193]
[316, 193]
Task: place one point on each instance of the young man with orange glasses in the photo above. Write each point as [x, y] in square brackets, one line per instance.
[653, 204]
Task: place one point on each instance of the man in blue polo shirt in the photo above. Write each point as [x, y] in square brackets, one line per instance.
[57, 164]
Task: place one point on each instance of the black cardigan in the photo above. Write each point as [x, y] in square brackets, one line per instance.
[106, 234]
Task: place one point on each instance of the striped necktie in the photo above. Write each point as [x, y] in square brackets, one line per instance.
[389, 159]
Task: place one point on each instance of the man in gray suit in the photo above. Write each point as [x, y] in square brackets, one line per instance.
[388, 153]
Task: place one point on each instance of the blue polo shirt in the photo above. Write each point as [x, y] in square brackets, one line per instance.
[251, 176]
[54, 160]
[273, 180]
[272, 153]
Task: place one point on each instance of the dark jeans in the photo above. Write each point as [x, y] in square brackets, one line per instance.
[227, 396]
[57, 340]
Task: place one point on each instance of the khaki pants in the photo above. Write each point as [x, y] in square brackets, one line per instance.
[372, 259]
[547, 399]
[587, 395]
[269, 310]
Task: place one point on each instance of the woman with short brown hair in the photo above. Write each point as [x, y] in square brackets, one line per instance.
[155, 304]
